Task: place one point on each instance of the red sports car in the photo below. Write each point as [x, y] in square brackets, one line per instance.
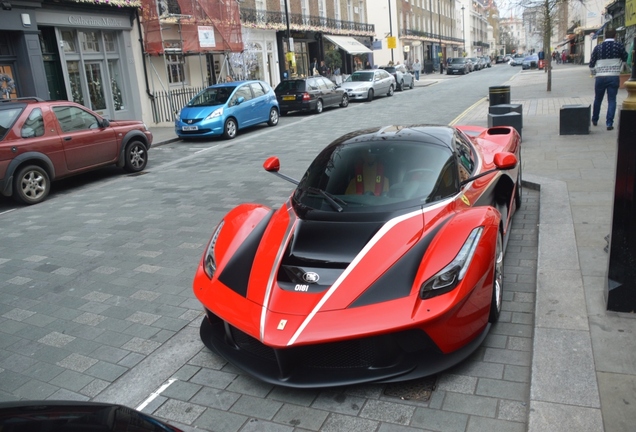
[385, 264]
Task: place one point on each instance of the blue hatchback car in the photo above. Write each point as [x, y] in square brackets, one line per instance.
[223, 109]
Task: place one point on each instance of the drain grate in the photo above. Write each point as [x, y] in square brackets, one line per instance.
[419, 389]
[137, 173]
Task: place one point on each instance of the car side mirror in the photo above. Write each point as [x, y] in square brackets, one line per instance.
[104, 123]
[240, 100]
[505, 160]
[272, 164]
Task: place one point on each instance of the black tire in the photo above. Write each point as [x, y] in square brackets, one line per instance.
[497, 285]
[370, 95]
[345, 101]
[31, 185]
[318, 106]
[273, 117]
[230, 129]
[136, 157]
[391, 91]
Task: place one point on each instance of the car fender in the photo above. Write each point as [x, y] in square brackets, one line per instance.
[461, 314]
[31, 157]
[131, 135]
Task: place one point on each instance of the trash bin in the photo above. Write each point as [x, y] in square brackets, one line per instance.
[428, 66]
[498, 95]
[506, 108]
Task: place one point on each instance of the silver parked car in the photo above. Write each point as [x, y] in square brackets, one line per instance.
[366, 84]
[403, 78]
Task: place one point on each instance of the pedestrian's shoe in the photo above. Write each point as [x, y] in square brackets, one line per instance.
[610, 128]
[595, 123]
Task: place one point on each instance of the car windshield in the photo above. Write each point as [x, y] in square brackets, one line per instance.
[212, 96]
[389, 69]
[361, 76]
[377, 176]
[7, 118]
[458, 61]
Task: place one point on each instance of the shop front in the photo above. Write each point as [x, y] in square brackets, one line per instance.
[88, 58]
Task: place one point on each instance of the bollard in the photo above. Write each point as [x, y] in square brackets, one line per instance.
[498, 95]
[574, 120]
[506, 108]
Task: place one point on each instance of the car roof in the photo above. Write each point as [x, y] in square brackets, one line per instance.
[428, 134]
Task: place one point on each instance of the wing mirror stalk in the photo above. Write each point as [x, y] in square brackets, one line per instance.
[272, 165]
[503, 161]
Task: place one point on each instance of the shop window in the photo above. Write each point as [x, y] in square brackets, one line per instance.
[90, 41]
[109, 42]
[75, 82]
[95, 85]
[68, 41]
[115, 84]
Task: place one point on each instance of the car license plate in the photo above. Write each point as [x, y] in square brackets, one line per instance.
[290, 98]
[189, 128]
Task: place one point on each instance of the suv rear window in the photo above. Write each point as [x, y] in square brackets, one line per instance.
[8, 118]
[291, 85]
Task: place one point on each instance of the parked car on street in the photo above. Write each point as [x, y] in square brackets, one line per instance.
[516, 60]
[530, 62]
[499, 59]
[487, 61]
[403, 78]
[309, 94]
[385, 264]
[42, 141]
[474, 61]
[224, 109]
[366, 84]
[457, 65]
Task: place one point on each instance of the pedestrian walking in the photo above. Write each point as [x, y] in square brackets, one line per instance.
[606, 62]
[564, 57]
[417, 67]
[323, 68]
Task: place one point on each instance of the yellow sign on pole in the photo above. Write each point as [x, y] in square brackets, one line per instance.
[630, 12]
[391, 42]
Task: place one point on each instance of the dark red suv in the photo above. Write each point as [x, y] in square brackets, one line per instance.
[41, 141]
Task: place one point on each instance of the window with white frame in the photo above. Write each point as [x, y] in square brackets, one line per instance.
[304, 7]
[322, 12]
[349, 11]
[176, 68]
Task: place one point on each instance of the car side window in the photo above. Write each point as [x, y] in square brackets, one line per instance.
[34, 125]
[243, 91]
[73, 119]
[324, 85]
[465, 157]
[257, 89]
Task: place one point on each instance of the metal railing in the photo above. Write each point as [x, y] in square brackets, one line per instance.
[165, 104]
[276, 19]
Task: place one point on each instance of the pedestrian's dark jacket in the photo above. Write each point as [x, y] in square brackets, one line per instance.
[608, 57]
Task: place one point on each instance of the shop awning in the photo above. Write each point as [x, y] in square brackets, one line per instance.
[348, 44]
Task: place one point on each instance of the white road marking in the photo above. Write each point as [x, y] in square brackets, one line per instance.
[156, 393]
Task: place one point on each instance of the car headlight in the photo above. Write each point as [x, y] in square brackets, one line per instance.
[216, 113]
[450, 276]
[209, 260]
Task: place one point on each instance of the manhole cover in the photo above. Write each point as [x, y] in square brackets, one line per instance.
[137, 173]
[419, 389]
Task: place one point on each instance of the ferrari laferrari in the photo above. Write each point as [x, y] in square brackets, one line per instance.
[385, 264]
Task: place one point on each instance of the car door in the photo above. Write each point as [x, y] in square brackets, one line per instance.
[243, 111]
[328, 90]
[259, 102]
[86, 142]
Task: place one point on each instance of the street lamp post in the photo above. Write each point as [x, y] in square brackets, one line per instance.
[439, 29]
[463, 30]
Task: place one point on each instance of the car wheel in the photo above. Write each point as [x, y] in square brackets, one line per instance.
[273, 117]
[390, 93]
[31, 185]
[401, 86]
[370, 95]
[230, 128]
[318, 106]
[497, 285]
[345, 101]
[136, 155]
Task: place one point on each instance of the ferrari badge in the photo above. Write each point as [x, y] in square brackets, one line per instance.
[281, 324]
